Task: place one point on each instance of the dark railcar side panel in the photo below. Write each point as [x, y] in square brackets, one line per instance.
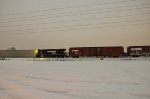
[138, 51]
[112, 51]
[96, 51]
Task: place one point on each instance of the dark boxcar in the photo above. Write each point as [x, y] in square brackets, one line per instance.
[136, 51]
[96, 51]
[116, 51]
[59, 53]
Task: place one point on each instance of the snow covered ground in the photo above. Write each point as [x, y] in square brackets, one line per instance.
[99, 79]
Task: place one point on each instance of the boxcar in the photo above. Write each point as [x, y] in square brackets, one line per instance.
[136, 51]
[115, 51]
[44, 53]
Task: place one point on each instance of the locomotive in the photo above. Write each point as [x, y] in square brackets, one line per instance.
[53, 53]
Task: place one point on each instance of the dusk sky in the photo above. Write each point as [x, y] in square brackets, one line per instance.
[30, 24]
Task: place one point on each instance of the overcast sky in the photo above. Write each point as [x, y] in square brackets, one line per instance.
[29, 24]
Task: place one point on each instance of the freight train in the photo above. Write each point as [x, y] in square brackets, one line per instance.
[109, 51]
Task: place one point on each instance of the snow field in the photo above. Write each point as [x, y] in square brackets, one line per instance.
[103, 79]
